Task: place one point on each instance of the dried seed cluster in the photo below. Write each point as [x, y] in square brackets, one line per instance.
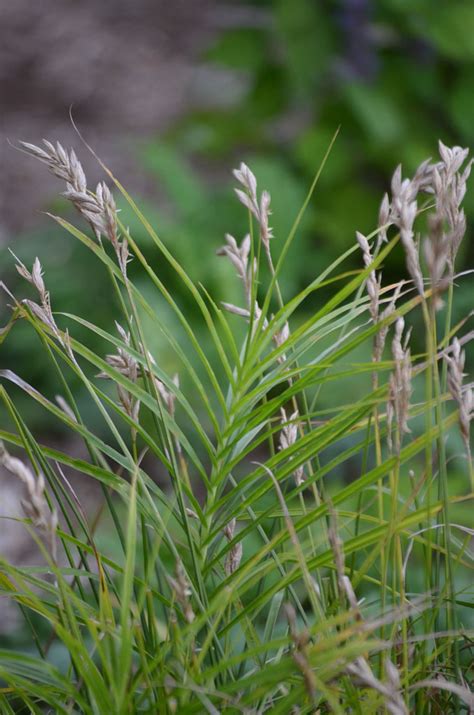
[464, 396]
[126, 364]
[288, 437]
[35, 505]
[374, 284]
[98, 209]
[400, 387]
[260, 209]
[363, 676]
[234, 556]
[239, 257]
[446, 182]
[182, 591]
[42, 310]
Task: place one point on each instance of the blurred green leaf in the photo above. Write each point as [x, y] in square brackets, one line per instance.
[311, 145]
[242, 48]
[450, 26]
[462, 104]
[175, 174]
[379, 116]
[306, 29]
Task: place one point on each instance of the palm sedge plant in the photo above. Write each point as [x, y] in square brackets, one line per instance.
[251, 578]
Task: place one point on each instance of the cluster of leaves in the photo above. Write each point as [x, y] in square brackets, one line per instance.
[251, 579]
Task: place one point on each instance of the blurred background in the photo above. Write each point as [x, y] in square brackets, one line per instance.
[172, 95]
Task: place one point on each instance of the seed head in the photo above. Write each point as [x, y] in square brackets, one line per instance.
[248, 197]
[449, 186]
[182, 591]
[62, 164]
[373, 283]
[239, 257]
[362, 675]
[35, 505]
[464, 396]
[234, 556]
[384, 219]
[288, 437]
[280, 338]
[400, 387]
[98, 209]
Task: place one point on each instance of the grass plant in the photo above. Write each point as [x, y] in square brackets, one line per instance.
[303, 549]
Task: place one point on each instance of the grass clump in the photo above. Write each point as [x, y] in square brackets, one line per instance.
[246, 573]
